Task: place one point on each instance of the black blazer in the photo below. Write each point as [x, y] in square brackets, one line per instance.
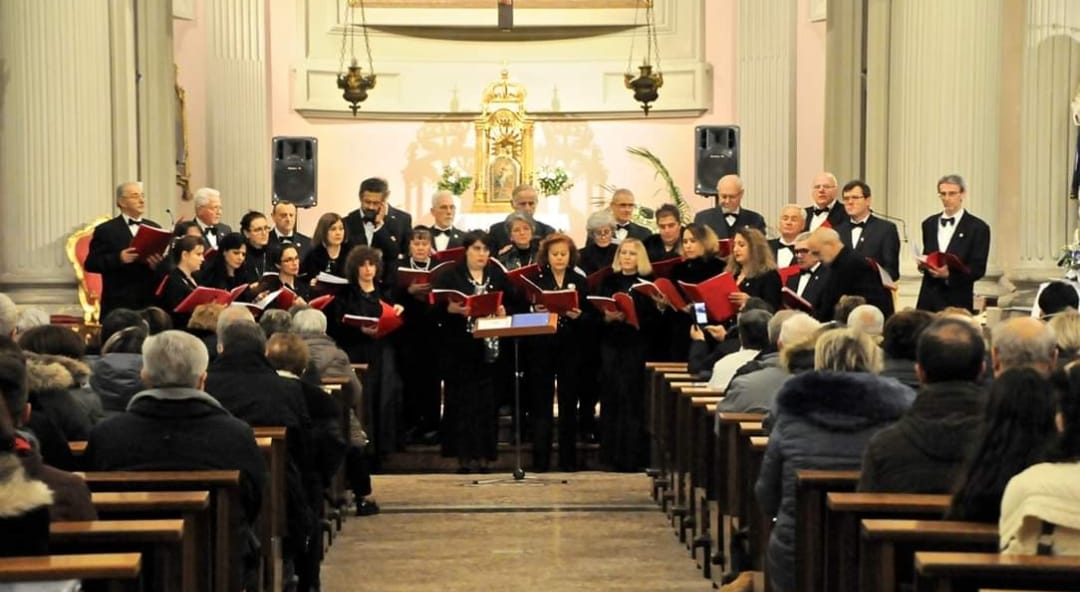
[220, 230]
[837, 215]
[123, 285]
[765, 286]
[774, 245]
[850, 274]
[879, 241]
[815, 288]
[501, 237]
[318, 260]
[971, 243]
[715, 219]
[456, 236]
[392, 239]
[634, 230]
[654, 247]
[303, 243]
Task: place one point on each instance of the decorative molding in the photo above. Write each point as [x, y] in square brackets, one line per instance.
[817, 10]
[183, 9]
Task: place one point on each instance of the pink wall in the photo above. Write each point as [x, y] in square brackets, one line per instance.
[404, 152]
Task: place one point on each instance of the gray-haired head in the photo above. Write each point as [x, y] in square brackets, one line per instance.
[29, 318]
[309, 322]
[233, 314]
[9, 316]
[204, 195]
[804, 236]
[121, 188]
[441, 194]
[777, 321]
[599, 219]
[242, 337]
[867, 319]
[174, 359]
[1023, 342]
[798, 211]
[515, 217]
[796, 328]
[953, 179]
[275, 321]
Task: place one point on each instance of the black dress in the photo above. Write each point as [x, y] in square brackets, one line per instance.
[420, 376]
[470, 430]
[176, 287]
[517, 257]
[318, 260]
[257, 261]
[552, 356]
[594, 257]
[623, 443]
[766, 286]
[215, 276]
[672, 341]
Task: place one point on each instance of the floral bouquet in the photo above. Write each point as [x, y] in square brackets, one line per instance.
[552, 180]
[454, 180]
[1070, 260]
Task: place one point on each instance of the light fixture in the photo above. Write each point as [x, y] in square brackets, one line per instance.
[355, 84]
[647, 82]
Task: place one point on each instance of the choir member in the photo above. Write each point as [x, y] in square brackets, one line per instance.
[226, 269]
[699, 244]
[959, 232]
[623, 348]
[599, 252]
[329, 248]
[523, 244]
[187, 255]
[557, 355]
[468, 364]
[285, 261]
[752, 264]
[256, 229]
[792, 220]
[667, 242]
[284, 231]
[443, 233]
[826, 209]
[378, 224]
[420, 381]
[523, 200]
[622, 208]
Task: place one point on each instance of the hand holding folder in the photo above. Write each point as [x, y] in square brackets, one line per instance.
[621, 302]
[476, 305]
[150, 241]
[388, 321]
[714, 293]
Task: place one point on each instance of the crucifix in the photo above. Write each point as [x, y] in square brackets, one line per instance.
[506, 15]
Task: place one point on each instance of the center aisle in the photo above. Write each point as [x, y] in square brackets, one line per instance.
[600, 531]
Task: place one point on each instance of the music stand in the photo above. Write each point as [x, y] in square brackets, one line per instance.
[516, 327]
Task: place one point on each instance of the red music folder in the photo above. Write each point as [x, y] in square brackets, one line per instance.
[620, 302]
[596, 278]
[939, 259]
[662, 269]
[663, 287]
[321, 302]
[795, 302]
[387, 322]
[150, 241]
[886, 279]
[723, 247]
[282, 298]
[518, 276]
[556, 301]
[714, 293]
[480, 305]
[207, 295]
[455, 255]
[787, 273]
[407, 277]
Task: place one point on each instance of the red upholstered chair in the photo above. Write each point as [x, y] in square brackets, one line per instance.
[78, 247]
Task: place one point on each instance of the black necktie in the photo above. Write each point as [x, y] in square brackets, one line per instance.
[285, 239]
[947, 221]
[803, 272]
[134, 222]
[820, 211]
[855, 224]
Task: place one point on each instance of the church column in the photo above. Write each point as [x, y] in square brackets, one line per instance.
[238, 123]
[65, 131]
[156, 105]
[766, 103]
[844, 89]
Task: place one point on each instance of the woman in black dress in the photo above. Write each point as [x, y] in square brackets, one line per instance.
[623, 443]
[225, 270]
[422, 392]
[256, 229]
[598, 253]
[557, 355]
[751, 262]
[469, 429]
[699, 263]
[285, 261]
[187, 256]
[329, 247]
[599, 250]
[523, 246]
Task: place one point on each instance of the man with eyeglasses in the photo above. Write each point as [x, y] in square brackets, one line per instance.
[827, 209]
[729, 215]
[869, 235]
[622, 209]
[812, 278]
[207, 217]
[960, 233]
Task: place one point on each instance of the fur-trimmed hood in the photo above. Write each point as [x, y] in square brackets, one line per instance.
[45, 372]
[847, 401]
[19, 494]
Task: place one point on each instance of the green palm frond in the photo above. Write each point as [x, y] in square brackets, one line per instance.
[662, 171]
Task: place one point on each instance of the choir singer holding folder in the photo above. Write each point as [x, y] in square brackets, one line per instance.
[954, 231]
[128, 278]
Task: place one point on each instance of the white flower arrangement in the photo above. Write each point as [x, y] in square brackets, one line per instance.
[552, 180]
[453, 179]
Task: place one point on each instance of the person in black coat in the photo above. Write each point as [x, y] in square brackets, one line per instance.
[730, 214]
[599, 250]
[868, 234]
[792, 219]
[523, 246]
[187, 255]
[826, 207]
[284, 260]
[174, 425]
[256, 229]
[557, 356]
[622, 208]
[284, 231]
[469, 431]
[420, 376]
[443, 233]
[955, 231]
[377, 224]
[813, 276]
[126, 282]
[207, 219]
[850, 274]
[667, 242]
[523, 201]
[330, 248]
[699, 263]
[752, 264]
[225, 270]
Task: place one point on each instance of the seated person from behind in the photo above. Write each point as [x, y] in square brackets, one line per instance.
[754, 392]
[753, 340]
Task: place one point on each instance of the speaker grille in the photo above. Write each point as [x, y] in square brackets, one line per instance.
[717, 154]
[295, 171]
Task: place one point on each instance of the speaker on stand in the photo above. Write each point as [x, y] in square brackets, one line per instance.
[294, 162]
[716, 149]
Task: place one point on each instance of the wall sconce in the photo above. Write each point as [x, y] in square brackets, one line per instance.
[355, 84]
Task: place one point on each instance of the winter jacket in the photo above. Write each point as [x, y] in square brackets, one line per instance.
[56, 390]
[24, 509]
[902, 370]
[924, 451]
[116, 380]
[755, 391]
[824, 420]
[330, 361]
[1046, 492]
[71, 496]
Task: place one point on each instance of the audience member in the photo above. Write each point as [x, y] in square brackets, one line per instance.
[9, 316]
[58, 379]
[845, 306]
[753, 339]
[157, 319]
[203, 324]
[1016, 430]
[923, 452]
[754, 392]
[1066, 327]
[24, 507]
[866, 318]
[900, 339]
[275, 321]
[1054, 298]
[116, 375]
[1023, 342]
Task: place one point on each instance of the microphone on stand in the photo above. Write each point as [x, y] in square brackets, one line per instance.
[172, 220]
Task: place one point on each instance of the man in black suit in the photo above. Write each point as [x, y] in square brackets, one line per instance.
[826, 207]
[126, 282]
[667, 242]
[443, 233]
[791, 225]
[207, 218]
[729, 215]
[523, 201]
[378, 224]
[284, 231]
[850, 274]
[813, 276]
[958, 232]
[867, 234]
[622, 209]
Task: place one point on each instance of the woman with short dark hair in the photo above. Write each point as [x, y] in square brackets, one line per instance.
[329, 248]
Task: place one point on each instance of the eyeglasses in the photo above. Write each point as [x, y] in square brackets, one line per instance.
[260, 229]
[801, 251]
[602, 232]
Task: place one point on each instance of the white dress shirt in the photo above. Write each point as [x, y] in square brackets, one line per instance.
[945, 232]
[817, 220]
[804, 278]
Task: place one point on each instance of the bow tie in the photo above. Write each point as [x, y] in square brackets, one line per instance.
[622, 227]
[855, 224]
[948, 221]
[134, 222]
[820, 211]
[788, 247]
[803, 272]
[439, 232]
[210, 230]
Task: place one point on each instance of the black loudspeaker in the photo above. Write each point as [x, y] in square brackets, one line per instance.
[295, 164]
[716, 149]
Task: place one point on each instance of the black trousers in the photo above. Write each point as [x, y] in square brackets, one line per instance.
[551, 357]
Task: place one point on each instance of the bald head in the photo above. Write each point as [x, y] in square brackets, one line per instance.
[1023, 342]
[730, 191]
[823, 189]
[825, 244]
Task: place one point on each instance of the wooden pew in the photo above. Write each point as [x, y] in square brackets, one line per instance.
[887, 548]
[666, 410]
[159, 541]
[224, 488]
[684, 510]
[844, 511]
[810, 489]
[654, 376]
[273, 515]
[120, 571]
[728, 478]
[760, 523]
[193, 507]
[341, 389]
[704, 480]
[968, 572]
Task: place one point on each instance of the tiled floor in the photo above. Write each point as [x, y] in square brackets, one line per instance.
[598, 531]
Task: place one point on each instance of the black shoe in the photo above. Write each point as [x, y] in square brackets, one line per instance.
[366, 508]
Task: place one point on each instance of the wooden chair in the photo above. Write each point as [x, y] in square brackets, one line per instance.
[968, 572]
[811, 486]
[119, 571]
[77, 249]
[887, 547]
[159, 541]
